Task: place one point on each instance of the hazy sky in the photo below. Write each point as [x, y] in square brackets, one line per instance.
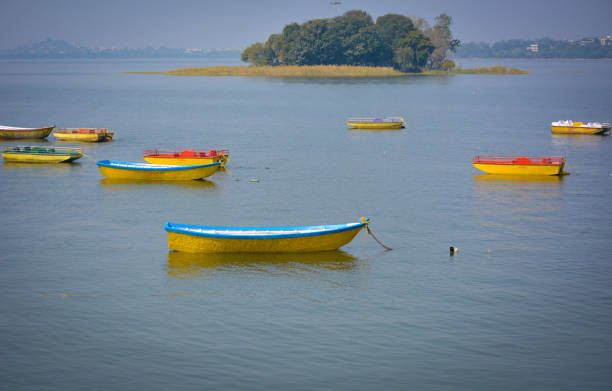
[238, 23]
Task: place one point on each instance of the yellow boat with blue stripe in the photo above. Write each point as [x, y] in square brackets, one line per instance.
[376, 123]
[209, 239]
[155, 172]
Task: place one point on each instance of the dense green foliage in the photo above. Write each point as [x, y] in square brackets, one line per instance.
[354, 39]
[546, 48]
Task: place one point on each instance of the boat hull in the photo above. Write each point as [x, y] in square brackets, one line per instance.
[386, 125]
[25, 133]
[84, 137]
[193, 243]
[579, 130]
[120, 170]
[221, 159]
[520, 169]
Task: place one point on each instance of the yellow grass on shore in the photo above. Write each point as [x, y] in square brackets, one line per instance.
[322, 71]
[284, 71]
[493, 70]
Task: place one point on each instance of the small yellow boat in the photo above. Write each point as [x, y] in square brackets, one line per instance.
[376, 123]
[520, 165]
[186, 157]
[155, 172]
[571, 127]
[37, 154]
[206, 239]
[24, 133]
[92, 135]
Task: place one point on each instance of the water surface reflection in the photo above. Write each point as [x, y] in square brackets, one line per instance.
[577, 140]
[189, 265]
[133, 184]
[509, 207]
[43, 169]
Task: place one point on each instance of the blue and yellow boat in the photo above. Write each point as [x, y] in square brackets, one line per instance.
[207, 239]
[155, 172]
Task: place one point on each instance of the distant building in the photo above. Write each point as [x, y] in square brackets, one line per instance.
[607, 40]
[586, 42]
[533, 48]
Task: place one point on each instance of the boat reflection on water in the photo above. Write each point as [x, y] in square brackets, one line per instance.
[132, 184]
[190, 265]
[514, 210]
[519, 180]
[6, 141]
[582, 140]
[36, 169]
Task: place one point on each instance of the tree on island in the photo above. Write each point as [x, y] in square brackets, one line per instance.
[354, 39]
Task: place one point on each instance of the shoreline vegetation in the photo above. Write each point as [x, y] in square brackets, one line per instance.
[325, 71]
[407, 44]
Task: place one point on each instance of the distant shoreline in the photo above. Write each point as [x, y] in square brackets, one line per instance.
[530, 58]
[323, 71]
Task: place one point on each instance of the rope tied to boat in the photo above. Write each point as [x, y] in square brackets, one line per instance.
[229, 172]
[367, 227]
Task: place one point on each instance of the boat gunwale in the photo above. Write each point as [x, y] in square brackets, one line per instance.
[149, 166]
[171, 153]
[316, 230]
[375, 120]
[46, 151]
[97, 131]
[15, 129]
[510, 160]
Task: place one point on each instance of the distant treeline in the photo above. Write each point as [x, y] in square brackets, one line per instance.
[50, 48]
[541, 48]
[398, 41]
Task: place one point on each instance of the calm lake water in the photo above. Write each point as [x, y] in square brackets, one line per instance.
[91, 298]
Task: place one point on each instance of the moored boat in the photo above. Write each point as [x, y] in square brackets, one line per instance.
[186, 156]
[155, 172]
[39, 154]
[376, 123]
[24, 133]
[520, 165]
[571, 127]
[84, 134]
[208, 239]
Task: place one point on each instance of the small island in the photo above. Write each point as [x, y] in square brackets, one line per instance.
[351, 45]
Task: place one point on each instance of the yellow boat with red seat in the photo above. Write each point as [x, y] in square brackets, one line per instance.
[93, 135]
[520, 165]
[186, 157]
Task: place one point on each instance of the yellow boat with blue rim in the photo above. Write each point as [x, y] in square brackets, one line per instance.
[155, 172]
[210, 239]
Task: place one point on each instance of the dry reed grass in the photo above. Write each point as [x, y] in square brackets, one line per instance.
[323, 71]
